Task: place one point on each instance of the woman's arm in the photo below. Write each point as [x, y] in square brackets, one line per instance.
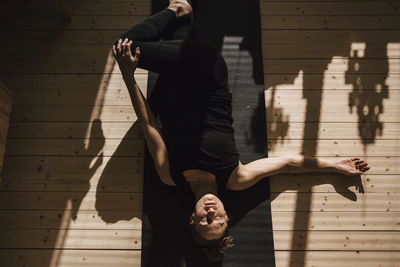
[249, 174]
[148, 124]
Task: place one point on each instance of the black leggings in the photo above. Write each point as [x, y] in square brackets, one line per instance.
[192, 61]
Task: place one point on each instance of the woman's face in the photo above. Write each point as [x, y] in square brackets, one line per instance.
[209, 219]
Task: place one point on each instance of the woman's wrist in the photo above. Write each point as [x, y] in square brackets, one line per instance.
[331, 166]
[338, 169]
[173, 9]
[129, 78]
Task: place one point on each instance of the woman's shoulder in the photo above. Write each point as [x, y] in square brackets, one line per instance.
[236, 176]
[166, 179]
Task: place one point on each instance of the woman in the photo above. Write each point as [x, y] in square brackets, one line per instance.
[196, 149]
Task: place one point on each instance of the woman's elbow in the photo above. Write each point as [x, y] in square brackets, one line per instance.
[291, 162]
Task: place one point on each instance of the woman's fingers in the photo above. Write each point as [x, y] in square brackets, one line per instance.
[119, 47]
[362, 165]
[128, 51]
[124, 46]
[134, 57]
[359, 162]
[137, 54]
[114, 51]
[124, 55]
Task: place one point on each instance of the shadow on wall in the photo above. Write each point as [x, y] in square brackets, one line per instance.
[305, 182]
[286, 53]
[277, 122]
[46, 183]
[367, 73]
[368, 90]
[118, 176]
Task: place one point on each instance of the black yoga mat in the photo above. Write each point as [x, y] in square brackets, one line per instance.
[235, 29]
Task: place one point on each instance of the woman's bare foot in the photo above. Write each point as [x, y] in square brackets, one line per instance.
[181, 8]
[352, 166]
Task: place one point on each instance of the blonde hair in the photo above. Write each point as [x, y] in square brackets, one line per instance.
[225, 243]
[214, 250]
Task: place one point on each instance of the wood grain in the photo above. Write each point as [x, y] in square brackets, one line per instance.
[51, 219]
[74, 203]
[70, 257]
[335, 258]
[58, 200]
[6, 97]
[339, 240]
[72, 113]
[75, 130]
[333, 202]
[73, 174]
[76, 239]
[340, 221]
[73, 147]
[343, 38]
[333, 22]
[331, 79]
[328, 8]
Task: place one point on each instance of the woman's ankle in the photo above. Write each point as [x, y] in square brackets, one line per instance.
[181, 8]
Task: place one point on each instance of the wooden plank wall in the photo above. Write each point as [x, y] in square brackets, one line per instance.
[5, 110]
[71, 193]
[68, 200]
[332, 80]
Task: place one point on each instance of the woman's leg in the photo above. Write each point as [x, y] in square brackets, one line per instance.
[186, 59]
[151, 29]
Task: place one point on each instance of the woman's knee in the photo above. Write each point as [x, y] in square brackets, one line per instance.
[206, 61]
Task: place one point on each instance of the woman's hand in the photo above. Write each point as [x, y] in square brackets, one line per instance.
[353, 166]
[123, 54]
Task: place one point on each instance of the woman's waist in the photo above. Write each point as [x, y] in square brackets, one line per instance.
[209, 152]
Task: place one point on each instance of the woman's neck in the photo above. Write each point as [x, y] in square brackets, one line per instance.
[201, 189]
[201, 183]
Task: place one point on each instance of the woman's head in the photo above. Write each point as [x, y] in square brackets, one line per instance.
[209, 224]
